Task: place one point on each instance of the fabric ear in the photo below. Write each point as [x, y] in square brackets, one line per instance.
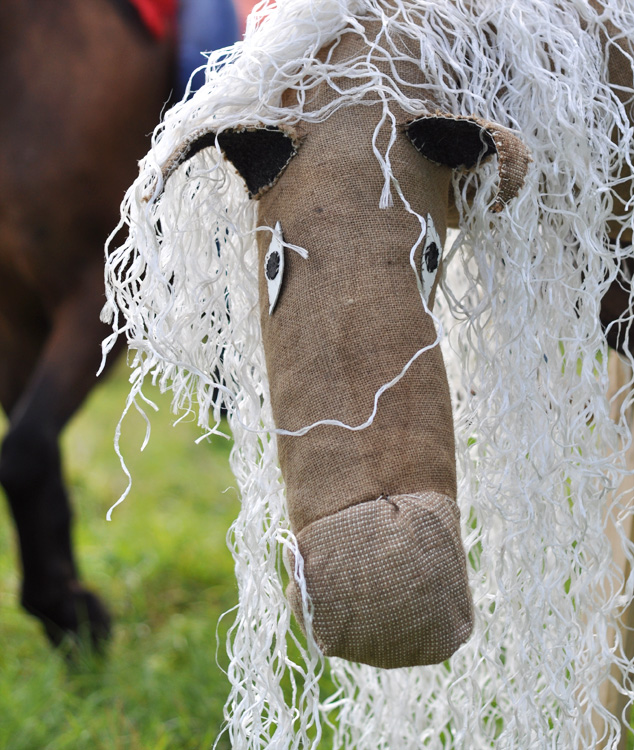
[260, 154]
[463, 142]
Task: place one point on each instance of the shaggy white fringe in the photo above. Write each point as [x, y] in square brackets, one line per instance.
[539, 456]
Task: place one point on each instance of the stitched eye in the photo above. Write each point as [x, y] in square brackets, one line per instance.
[430, 260]
[274, 266]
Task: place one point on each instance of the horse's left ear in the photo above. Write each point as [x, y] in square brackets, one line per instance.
[463, 142]
[260, 154]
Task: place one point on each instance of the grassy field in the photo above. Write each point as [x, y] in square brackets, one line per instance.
[163, 567]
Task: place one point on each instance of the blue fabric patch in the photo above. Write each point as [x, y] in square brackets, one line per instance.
[204, 25]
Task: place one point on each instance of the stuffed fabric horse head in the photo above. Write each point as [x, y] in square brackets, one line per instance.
[374, 507]
[286, 232]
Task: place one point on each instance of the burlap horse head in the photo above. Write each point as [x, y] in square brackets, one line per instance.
[284, 249]
[373, 508]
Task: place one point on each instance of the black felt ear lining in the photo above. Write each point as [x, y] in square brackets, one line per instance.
[455, 142]
[260, 154]
[462, 142]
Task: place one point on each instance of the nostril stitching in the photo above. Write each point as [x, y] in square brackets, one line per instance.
[385, 496]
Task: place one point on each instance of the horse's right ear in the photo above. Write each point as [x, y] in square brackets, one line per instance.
[260, 153]
[462, 142]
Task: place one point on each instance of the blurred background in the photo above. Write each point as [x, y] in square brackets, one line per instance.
[161, 565]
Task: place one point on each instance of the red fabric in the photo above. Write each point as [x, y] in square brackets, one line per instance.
[244, 7]
[158, 15]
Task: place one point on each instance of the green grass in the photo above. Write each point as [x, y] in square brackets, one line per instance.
[163, 568]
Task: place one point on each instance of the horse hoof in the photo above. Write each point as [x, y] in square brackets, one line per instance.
[79, 618]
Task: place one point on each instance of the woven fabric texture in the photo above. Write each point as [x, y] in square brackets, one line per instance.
[387, 580]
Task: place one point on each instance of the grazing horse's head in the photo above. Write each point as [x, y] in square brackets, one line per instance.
[346, 291]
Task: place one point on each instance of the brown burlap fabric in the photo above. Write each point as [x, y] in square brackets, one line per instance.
[347, 320]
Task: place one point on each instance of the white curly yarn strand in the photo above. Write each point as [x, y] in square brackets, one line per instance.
[539, 455]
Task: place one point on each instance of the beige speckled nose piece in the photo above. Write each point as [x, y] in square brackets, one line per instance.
[387, 581]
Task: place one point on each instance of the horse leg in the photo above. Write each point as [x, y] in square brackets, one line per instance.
[31, 473]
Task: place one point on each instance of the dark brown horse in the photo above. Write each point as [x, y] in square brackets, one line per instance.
[81, 84]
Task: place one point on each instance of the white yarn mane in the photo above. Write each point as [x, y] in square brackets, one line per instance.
[539, 457]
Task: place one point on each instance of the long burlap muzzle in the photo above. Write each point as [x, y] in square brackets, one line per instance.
[374, 510]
